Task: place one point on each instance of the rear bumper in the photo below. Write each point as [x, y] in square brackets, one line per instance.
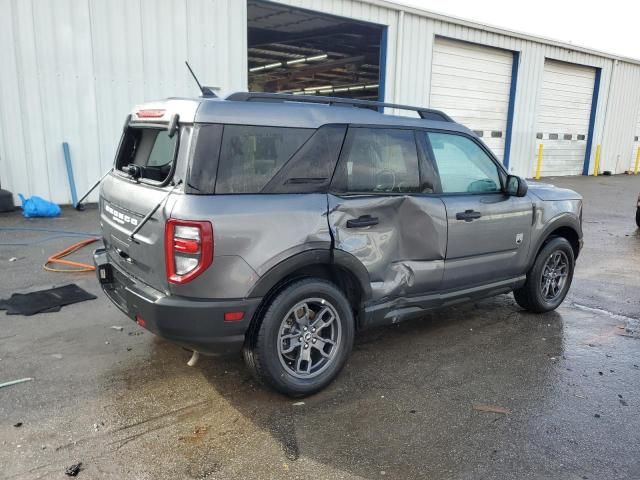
[196, 324]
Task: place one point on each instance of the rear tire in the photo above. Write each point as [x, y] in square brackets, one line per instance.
[303, 339]
[549, 279]
[638, 217]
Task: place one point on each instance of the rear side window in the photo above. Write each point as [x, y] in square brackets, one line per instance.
[250, 156]
[378, 160]
[204, 162]
[151, 150]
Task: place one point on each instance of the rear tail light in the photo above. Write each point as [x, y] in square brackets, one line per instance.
[188, 249]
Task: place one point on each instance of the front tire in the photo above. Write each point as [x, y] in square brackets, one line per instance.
[638, 217]
[549, 279]
[303, 339]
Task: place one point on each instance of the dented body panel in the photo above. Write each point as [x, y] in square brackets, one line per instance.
[404, 253]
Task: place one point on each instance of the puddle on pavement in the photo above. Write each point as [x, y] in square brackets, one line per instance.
[630, 327]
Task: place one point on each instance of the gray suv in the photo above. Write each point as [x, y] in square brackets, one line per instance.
[280, 225]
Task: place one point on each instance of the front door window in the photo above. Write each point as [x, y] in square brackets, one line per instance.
[463, 166]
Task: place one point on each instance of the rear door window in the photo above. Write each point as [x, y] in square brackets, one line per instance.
[378, 160]
[311, 167]
[251, 155]
[151, 150]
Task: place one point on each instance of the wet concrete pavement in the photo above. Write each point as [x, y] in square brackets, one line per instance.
[127, 406]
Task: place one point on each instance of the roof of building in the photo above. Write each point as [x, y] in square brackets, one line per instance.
[399, 6]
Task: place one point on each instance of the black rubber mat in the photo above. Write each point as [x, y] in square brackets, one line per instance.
[51, 300]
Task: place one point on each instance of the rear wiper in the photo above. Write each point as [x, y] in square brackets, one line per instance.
[153, 210]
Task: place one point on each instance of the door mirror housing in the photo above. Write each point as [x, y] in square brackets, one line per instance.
[516, 186]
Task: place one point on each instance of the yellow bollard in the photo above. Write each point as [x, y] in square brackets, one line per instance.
[539, 165]
[596, 166]
[637, 161]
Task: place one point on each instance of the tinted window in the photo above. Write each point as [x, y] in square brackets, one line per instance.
[204, 162]
[150, 149]
[311, 168]
[463, 166]
[379, 160]
[251, 156]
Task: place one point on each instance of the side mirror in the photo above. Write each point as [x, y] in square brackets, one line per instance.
[516, 186]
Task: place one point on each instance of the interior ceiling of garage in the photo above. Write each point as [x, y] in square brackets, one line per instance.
[299, 51]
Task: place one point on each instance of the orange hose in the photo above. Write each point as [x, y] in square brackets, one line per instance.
[59, 258]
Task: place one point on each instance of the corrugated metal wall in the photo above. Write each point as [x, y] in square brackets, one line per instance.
[621, 115]
[72, 69]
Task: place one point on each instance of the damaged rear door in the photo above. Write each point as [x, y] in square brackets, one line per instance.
[381, 212]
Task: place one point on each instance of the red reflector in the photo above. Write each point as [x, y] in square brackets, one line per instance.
[140, 321]
[186, 246]
[156, 113]
[233, 316]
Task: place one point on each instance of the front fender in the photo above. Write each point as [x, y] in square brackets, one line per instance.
[544, 228]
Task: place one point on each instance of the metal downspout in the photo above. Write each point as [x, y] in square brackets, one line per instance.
[606, 108]
[400, 37]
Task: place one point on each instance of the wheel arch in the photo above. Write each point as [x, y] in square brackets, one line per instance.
[340, 268]
[566, 227]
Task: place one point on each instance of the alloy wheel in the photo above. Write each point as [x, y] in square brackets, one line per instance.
[554, 275]
[309, 337]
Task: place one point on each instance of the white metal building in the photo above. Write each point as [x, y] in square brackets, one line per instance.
[72, 69]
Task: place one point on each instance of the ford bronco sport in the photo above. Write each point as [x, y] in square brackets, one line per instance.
[280, 225]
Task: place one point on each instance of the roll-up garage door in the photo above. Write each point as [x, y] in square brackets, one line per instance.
[563, 116]
[471, 83]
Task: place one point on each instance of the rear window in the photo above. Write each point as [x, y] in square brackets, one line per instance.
[250, 156]
[149, 149]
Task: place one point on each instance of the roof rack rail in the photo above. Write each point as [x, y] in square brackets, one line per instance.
[425, 113]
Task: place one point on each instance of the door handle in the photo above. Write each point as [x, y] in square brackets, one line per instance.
[362, 221]
[468, 215]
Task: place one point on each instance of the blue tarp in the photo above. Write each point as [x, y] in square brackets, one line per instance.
[38, 207]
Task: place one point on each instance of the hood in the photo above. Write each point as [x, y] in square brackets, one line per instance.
[546, 191]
